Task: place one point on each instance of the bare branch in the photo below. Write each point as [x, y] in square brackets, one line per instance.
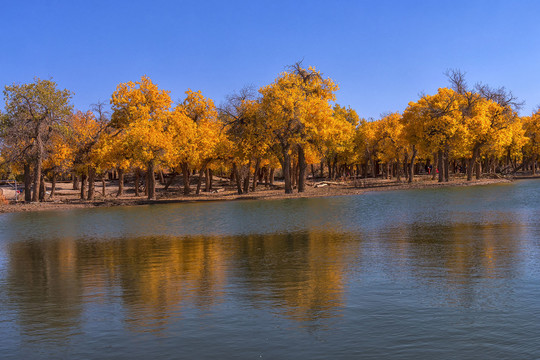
[457, 80]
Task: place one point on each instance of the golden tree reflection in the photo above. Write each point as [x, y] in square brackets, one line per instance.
[157, 279]
[45, 285]
[304, 274]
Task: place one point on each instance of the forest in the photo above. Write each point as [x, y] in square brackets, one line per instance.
[292, 128]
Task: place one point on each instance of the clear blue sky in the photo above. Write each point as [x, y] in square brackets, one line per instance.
[381, 53]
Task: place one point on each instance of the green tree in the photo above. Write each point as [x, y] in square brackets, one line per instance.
[34, 112]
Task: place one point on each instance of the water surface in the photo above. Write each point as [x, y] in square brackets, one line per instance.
[448, 273]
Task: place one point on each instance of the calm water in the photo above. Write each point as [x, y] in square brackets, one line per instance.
[429, 274]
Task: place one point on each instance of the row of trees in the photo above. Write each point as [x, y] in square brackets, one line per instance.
[289, 124]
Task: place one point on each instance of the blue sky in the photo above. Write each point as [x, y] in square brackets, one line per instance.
[381, 53]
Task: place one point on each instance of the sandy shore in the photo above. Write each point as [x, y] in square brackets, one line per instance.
[66, 198]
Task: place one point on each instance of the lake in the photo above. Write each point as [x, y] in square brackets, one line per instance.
[445, 273]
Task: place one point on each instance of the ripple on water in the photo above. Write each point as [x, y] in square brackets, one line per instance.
[404, 274]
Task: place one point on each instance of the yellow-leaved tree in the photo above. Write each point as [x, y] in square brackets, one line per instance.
[432, 125]
[195, 134]
[249, 138]
[392, 147]
[532, 132]
[141, 111]
[336, 145]
[296, 107]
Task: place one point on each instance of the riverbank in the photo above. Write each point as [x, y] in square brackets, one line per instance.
[66, 198]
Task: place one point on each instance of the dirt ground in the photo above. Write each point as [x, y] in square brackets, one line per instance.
[66, 198]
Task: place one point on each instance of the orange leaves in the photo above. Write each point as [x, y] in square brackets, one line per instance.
[434, 121]
[297, 105]
[141, 110]
[139, 101]
[531, 126]
[389, 133]
[460, 123]
[194, 131]
[151, 131]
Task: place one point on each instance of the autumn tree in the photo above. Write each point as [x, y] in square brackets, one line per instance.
[392, 147]
[141, 109]
[34, 112]
[489, 118]
[366, 144]
[194, 131]
[432, 125]
[250, 140]
[532, 131]
[82, 135]
[296, 107]
[337, 145]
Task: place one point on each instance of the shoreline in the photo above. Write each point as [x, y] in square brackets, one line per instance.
[67, 200]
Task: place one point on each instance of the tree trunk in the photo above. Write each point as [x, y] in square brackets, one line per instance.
[294, 173]
[265, 174]
[207, 185]
[161, 178]
[145, 182]
[435, 166]
[103, 186]
[232, 177]
[302, 166]
[210, 179]
[37, 169]
[199, 180]
[83, 186]
[237, 178]
[411, 169]
[286, 165]
[53, 185]
[272, 170]
[185, 175]
[246, 171]
[41, 188]
[120, 182]
[256, 174]
[478, 170]
[91, 183]
[329, 164]
[151, 180]
[406, 166]
[440, 165]
[27, 183]
[170, 181]
[446, 166]
[75, 181]
[137, 182]
[470, 166]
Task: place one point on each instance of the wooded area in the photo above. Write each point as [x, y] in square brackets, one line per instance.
[290, 127]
